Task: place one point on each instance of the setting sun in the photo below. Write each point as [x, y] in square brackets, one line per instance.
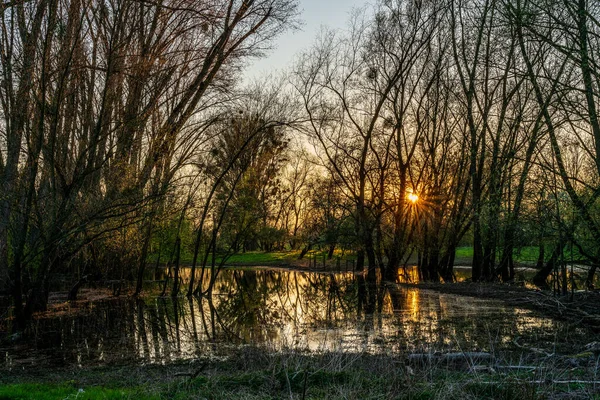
[413, 198]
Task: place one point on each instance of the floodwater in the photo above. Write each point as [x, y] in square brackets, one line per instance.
[281, 310]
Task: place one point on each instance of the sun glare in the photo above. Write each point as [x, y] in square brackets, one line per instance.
[413, 198]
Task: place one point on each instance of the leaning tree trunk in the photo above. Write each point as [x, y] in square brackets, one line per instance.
[542, 275]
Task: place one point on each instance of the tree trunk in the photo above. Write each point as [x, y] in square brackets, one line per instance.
[143, 257]
[541, 256]
[477, 268]
[360, 261]
[176, 269]
[331, 250]
[447, 265]
[542, 275]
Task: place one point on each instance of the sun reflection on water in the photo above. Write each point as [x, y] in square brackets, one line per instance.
[283, 310]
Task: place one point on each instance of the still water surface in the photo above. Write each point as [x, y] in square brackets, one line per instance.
[281, 310]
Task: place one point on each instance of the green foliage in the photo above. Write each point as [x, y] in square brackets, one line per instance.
[259, 258]
[164, 237]
[464, 253]
[246, 196]
[269, 237]
[328, 222]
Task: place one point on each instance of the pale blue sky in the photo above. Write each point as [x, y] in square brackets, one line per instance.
[314, 14]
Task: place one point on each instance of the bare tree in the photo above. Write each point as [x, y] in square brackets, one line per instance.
[569, 112]
[96, 100]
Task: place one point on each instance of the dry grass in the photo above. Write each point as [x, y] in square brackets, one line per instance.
[259, 373]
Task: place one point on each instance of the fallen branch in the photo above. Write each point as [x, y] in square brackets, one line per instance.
[532, 349]
[458, 356]
[193, 374]
[545, 382]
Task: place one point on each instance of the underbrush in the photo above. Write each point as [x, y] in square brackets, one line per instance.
[255, 373]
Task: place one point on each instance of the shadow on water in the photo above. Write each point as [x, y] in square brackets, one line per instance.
[279, 310]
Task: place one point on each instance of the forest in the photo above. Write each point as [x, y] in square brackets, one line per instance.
[429, 142]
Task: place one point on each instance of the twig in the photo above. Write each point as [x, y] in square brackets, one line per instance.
[532, 349]
[194, 374]
[547, 382]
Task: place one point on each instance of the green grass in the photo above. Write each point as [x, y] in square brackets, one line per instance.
[528, 254]
[525, 254]
[256, 257]
[275, 258]
[464, 256]
[52, 391]
[257, 373]
[250, 258]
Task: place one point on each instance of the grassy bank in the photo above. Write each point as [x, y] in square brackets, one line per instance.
[256, 374]
[277, 259]
[251, 258]
[464, 256]
[526, 255]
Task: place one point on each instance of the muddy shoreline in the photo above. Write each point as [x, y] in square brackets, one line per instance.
[582, 308]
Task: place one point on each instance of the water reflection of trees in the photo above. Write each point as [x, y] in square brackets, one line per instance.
[282, 309]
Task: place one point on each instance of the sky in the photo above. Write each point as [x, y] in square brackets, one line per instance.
[314, 14]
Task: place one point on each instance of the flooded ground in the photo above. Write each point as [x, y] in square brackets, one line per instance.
[281, 310]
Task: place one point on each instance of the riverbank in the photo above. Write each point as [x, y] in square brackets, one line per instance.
[523, 257]
[578, 308]
[285, 333]
[257, 373]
